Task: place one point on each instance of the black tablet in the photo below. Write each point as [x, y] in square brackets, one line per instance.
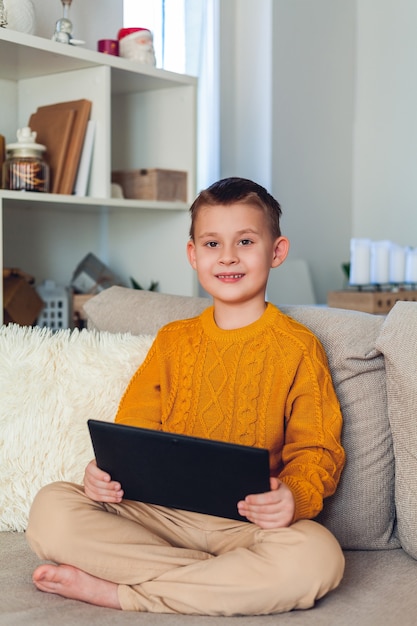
[179, 471]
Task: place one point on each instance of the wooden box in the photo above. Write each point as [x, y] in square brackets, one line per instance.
[380, 302]
[152, 184]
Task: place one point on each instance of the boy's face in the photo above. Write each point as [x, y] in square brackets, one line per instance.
[233, 251]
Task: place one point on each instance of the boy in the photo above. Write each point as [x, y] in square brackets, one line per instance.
[241, 372]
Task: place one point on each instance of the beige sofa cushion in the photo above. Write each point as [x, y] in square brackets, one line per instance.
[398, 342]
[361, 514]
[119, 310]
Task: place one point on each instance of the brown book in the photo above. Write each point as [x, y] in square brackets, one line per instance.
[53, 129]
[82, 109]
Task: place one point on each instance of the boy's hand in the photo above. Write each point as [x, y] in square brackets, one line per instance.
[273, 509]
[99, 486]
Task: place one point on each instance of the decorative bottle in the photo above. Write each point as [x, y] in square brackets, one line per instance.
[25, 168]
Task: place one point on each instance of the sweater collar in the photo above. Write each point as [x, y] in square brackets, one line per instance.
[268, 318]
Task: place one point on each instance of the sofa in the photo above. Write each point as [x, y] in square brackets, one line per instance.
[51, 383]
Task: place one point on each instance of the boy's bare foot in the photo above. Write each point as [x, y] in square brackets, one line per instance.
[73, 583]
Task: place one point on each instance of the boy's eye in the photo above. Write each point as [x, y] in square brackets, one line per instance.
[245, 242]
[211, 244]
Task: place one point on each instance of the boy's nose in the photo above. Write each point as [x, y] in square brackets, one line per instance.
[228, 256]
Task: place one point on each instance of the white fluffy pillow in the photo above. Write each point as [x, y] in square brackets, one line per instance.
[50, 385]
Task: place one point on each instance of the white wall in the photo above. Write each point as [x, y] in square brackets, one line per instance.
[287, 115]
[385, 133]
[313, 87]
[342, 119]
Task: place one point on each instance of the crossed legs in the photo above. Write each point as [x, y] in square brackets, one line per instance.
[145, 558]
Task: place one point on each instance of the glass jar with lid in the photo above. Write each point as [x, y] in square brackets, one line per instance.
[25, 168]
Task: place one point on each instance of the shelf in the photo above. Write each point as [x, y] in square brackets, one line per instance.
[29, 56]
[145, 118]
[58, 202]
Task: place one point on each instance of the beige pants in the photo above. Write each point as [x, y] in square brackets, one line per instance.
[170, 561]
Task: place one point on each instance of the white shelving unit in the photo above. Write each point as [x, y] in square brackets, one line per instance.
[145, 118]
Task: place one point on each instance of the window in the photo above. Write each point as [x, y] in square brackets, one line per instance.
[166, 20]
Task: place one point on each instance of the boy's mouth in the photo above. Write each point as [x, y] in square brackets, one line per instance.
[229, 276]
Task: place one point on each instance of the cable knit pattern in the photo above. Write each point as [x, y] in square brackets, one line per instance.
[267, 385]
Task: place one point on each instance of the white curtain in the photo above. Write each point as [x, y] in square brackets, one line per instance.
[208, 94]
[202, 60]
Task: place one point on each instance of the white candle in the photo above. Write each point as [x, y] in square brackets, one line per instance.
[411, 265]
[380, 252]
[360, 256]
[397, 264]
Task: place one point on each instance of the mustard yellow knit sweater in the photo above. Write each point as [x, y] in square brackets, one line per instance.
[267, 385]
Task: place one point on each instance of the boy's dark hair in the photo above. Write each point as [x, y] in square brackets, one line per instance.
[231, 190]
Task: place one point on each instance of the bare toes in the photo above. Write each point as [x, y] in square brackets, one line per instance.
[51, 578]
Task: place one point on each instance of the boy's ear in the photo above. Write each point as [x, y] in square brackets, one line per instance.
[281, 249]
[191, 253]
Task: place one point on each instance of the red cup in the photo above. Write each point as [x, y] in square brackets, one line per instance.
[108, 46]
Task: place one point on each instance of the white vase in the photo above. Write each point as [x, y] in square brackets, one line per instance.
[20, 15]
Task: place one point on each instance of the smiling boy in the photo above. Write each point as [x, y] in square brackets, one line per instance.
[233, 249]
[241, 372]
